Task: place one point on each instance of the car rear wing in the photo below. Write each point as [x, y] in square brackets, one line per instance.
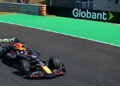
[7, 40]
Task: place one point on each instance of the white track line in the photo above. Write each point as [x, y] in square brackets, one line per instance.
[62, 34]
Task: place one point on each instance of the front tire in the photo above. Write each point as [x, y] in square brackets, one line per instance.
[24, 67]
[54, 63]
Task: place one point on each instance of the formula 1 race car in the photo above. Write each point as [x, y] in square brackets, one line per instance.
[27, 61]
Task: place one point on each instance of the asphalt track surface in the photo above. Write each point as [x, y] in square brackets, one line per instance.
[88, 63]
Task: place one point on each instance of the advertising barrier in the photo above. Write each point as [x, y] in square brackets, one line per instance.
[96, 15]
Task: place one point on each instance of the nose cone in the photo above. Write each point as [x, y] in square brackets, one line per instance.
[46, 69]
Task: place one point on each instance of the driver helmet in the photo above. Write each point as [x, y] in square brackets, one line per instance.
[19, 46]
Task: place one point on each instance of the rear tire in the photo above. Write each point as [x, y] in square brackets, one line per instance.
[24, 67]
[54, 63]
[1, 52]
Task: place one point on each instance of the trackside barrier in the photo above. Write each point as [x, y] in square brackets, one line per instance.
[20, 8]
[96, 15]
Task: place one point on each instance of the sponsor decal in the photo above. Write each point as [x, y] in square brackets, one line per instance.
[94, 15]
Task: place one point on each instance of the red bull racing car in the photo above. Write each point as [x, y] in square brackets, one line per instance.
[28, 62]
